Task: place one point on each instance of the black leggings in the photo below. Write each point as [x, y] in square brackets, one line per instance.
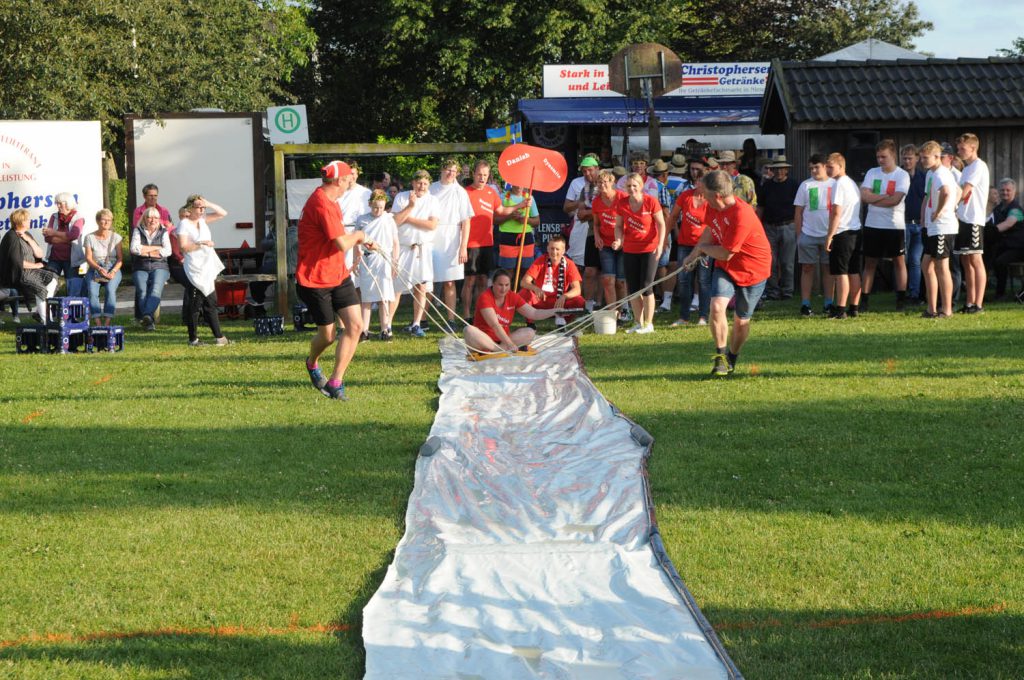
[196, 302]
[641, 268]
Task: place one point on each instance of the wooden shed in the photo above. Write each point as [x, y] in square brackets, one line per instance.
[849, 106]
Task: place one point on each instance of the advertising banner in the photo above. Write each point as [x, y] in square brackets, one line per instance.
[39, 159]
[725, 79]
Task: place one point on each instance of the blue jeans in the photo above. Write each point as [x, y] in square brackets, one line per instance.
[110, 303]
[747, 297]
[149, 288]
[70, 274]
[685, 280]
[915, 249]
[611, 263]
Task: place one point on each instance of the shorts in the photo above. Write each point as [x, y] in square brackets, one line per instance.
[666, 257]
[509, 248]
[480, 261]
[845, 256]
[970, 240]
[811, 250]
[641, 268]
[883, 243]
[325, 303]
[747, 297]
[611, 263]
[940, 246]
[591, 256]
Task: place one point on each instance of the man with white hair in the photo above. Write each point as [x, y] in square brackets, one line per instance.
[451, 239]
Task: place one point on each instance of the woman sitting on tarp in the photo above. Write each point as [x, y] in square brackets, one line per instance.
[495, 309]
[21, 267]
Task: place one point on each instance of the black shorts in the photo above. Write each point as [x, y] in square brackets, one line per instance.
[325, 303]
[970, 240]
[939, 247]
[479, 261]
[641, 269]
[591, 255]
[883, 243]
[845, 256]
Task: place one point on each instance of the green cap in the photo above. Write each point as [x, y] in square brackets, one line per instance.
[589, 161]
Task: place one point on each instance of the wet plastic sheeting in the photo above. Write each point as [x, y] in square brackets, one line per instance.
[527, 552]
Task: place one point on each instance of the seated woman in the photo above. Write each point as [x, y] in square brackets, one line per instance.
[21, 265]
[104, 257]
[495, 309]
[150, 247]
[554, 281]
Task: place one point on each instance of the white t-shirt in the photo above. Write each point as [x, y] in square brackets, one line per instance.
[353, 203]
[846, 195]
[946, 223]
[877, 181]
[578, 235]
[453, 203]
[425, 208]
[816, 199]
[973, 211]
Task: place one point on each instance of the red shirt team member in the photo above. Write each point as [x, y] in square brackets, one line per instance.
[687, 220]
[554, 282]
[640, 232]
[495, 309]
[480, 248]
[603, 210]
[322, 279]
[736, 240]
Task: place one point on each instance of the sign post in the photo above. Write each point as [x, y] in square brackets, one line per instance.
[288, 124]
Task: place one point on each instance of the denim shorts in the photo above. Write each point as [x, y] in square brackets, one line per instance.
[666, 255]
[611, 263]
[722, 286]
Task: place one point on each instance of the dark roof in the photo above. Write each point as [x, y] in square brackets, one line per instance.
[922, 90]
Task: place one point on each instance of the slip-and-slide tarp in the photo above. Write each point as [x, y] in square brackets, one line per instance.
[531, 549]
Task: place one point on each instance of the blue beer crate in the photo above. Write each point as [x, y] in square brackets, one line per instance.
[67, 312]
[30, 339]
[67, 340]
[301, 318]
[268, 325]
[106, 339]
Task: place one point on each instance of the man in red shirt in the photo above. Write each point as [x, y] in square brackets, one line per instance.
[322, 279]
[553, 282]
[480, 248]
[736, 240]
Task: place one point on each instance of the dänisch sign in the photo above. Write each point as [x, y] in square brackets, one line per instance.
[39, 159]
[739, 79]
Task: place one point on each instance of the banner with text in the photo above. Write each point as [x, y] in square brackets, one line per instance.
[738, 79]
[39, 159]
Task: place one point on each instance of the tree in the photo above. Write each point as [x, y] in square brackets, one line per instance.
[445, 70]
[92, 59]
[1016, 49]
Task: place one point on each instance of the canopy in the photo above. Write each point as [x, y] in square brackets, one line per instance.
[628, 111]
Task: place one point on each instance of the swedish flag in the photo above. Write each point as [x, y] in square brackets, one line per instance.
[508, 134]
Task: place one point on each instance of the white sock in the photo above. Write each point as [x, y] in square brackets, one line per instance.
[666, 299]
[590, 305]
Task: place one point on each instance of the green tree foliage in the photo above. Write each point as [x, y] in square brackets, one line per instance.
[1016, 49]
[445, 70]
[97, 59]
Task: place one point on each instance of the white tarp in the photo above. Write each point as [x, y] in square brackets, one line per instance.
[528, 550]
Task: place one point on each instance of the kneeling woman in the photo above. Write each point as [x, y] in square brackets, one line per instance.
[495, 309]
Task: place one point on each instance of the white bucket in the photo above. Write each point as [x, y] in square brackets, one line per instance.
[605, 322]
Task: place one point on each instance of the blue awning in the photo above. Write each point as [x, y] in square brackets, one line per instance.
[628, 111]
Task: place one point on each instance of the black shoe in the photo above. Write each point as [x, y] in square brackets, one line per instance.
[805, 310]
[1020, 297]
[966, 309]
[386, 336]
[853, 310]
[364, 336]
[929, 315]
[863, 305]
[975, 309]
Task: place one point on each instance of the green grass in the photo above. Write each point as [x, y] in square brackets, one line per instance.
[850, 472]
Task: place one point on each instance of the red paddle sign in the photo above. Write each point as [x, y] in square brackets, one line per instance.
[533, 167]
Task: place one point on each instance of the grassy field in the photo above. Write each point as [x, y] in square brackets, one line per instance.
[849, 504]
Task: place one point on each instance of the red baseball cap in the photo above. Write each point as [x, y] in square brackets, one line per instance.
[335, 170]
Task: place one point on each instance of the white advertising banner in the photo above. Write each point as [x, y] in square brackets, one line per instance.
[39, 159]
[739, 79]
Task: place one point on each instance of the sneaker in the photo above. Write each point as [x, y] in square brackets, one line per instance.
[316, 376]
[635, 328]
[149, 325]
[721, 366]
[929, 315]
[559, 321]
[424, 326]
[386, 335]
[966, 309]
[853, 310]
[695, 303]
[334, 392]
[222, 342]
[196, 343]
[679, 322]
[417, 332]
[448, 326]
[644, 330]
[827, 310]
[805, 310]
[702, 322]
[627, 314]
[1020, 297]
[16, 319]
[364, 336]
[975, 309]
[589, 306]
[662, 309]
[836, 314]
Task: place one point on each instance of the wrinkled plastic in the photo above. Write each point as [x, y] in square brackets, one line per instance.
[528, 550]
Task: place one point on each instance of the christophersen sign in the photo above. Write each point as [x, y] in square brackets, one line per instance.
[738, 79]
[41, 158]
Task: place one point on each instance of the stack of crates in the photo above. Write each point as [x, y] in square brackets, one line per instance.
[67, 331]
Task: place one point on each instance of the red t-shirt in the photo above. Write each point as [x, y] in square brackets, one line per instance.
[320, 263]
[691, 217]
[604, 216]
[639, 230]
[505, 313]
[738, 230]
[481, 226]
[545, 276]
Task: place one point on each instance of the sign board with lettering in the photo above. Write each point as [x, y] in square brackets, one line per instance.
[41, 158]
[288, 124]
[739, 79]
